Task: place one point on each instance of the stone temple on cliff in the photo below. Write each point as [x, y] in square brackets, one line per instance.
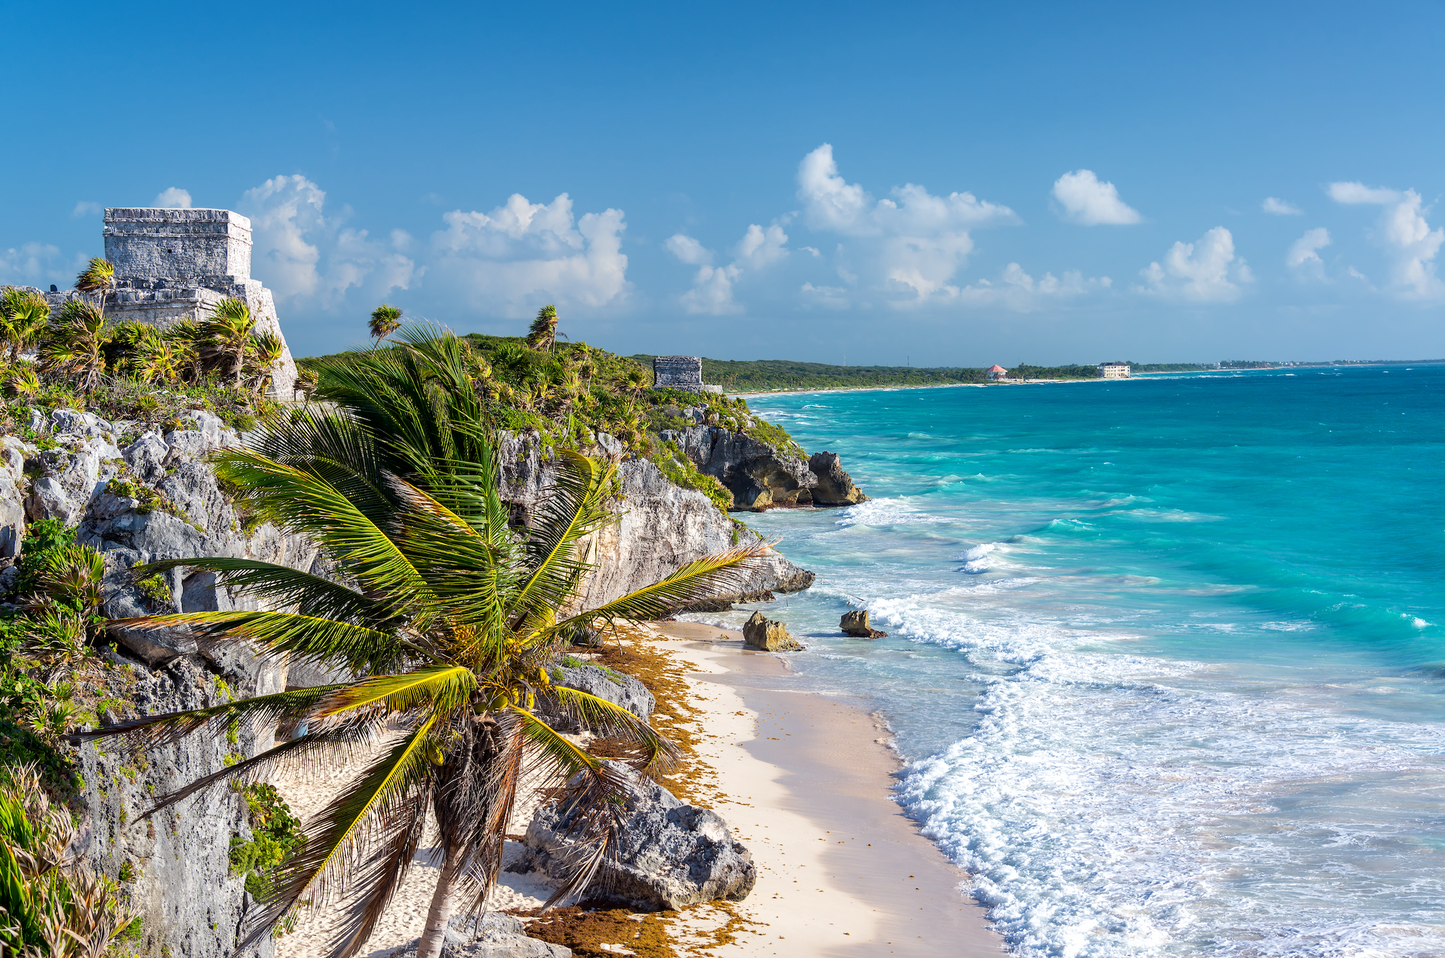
[172, 265]
[680, 372]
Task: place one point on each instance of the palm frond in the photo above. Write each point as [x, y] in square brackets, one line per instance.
[573, 511]
[153, 731]
[609, 719]
[382, 800]
[700, 579]
[442, 688]
[327, 643]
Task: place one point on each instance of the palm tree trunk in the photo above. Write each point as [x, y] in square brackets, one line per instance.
[433, 936]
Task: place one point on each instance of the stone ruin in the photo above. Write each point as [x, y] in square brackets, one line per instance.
[172, 265]
[680, 372]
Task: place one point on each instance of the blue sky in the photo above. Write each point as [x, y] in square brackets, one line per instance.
[941, 184]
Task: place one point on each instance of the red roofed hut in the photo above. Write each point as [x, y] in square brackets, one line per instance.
[997, 372]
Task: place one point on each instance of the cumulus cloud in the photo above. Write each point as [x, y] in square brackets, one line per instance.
[302, 253]
[1405, 235]
[712, 287]
[1019, 291]
[1303, 252]
[522, 253]
[85, 208]
[31, 265]
[1088, 201]
[173, 198]
[1277, 206]
[1206, 271]
[908, 245]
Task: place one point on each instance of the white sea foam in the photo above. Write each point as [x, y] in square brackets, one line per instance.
[886, 512]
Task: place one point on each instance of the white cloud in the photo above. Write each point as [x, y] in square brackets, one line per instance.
[1277, 206]
[1404, 234]
[85, 208]
[1206, 270]
[908, 246]
[1019, 291]
[1090, 202]
[521, 254]
[31, 265]
[173, 198]
[1304, 251]
[688, 250]
[712, 287]
[301, 253]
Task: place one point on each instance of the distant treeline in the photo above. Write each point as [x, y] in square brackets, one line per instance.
[783, 375]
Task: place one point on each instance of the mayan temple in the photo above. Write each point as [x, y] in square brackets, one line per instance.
[172, 265]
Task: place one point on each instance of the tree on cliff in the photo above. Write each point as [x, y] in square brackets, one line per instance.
[74, 344]
[543, 334]
[227, 336]
[385, 320]
[98, 277]
[446, 615]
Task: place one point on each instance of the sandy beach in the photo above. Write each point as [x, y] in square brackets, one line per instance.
[801, 779]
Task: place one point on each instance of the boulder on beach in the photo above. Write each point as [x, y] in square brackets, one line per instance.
[767, 635]
[669, 854]
[612, 686]
[856, 624]
[493, 935]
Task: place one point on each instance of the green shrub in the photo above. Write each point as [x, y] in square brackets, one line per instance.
[275, 836]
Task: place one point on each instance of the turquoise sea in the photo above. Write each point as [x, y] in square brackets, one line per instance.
[1166, 656]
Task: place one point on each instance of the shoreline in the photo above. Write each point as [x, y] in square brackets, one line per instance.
[804, 781]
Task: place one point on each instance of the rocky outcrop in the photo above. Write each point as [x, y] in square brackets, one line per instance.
[661, 527]
[608, 685]
[494, 935]
[759, 474]
[856, 624]
[669, 855]
[768, 635]
[833, 487]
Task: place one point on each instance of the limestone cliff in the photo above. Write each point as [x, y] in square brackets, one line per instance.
[661, 527]
[762, 474]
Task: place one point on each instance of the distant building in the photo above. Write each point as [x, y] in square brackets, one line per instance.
[1113, 370]
[680, 372]
[997, 372]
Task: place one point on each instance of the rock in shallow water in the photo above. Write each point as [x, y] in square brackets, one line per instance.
[766, 635]
[856, 624]
[669, 855]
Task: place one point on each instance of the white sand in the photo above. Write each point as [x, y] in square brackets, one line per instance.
[803, 782]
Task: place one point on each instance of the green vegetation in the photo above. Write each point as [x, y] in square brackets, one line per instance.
[275, 837]
[784, 375]
[448, 614]
[52, 905]
[565, 393]
[128, 370]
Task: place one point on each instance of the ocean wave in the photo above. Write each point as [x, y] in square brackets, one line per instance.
[975, 560]
[886, 512]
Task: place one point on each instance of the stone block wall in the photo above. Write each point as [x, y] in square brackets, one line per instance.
[167, 248]
[680, 372]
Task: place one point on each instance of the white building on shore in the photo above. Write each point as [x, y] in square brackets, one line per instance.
[1113, 370]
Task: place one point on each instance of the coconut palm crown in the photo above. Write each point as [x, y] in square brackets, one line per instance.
[98, 277]
[446, 617]
[385, 320]
[543, 333]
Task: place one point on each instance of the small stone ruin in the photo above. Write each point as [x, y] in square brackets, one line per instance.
[680, 372]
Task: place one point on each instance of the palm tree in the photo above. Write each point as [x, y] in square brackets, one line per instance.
[263, 355]
[154, 357]
[98, 277]
[227, 335]
[385, 320]
[543, 334]
[23, 314]
[447, 616]
[22, 381]
[187, 338]
[74, 344]
[636, 382]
